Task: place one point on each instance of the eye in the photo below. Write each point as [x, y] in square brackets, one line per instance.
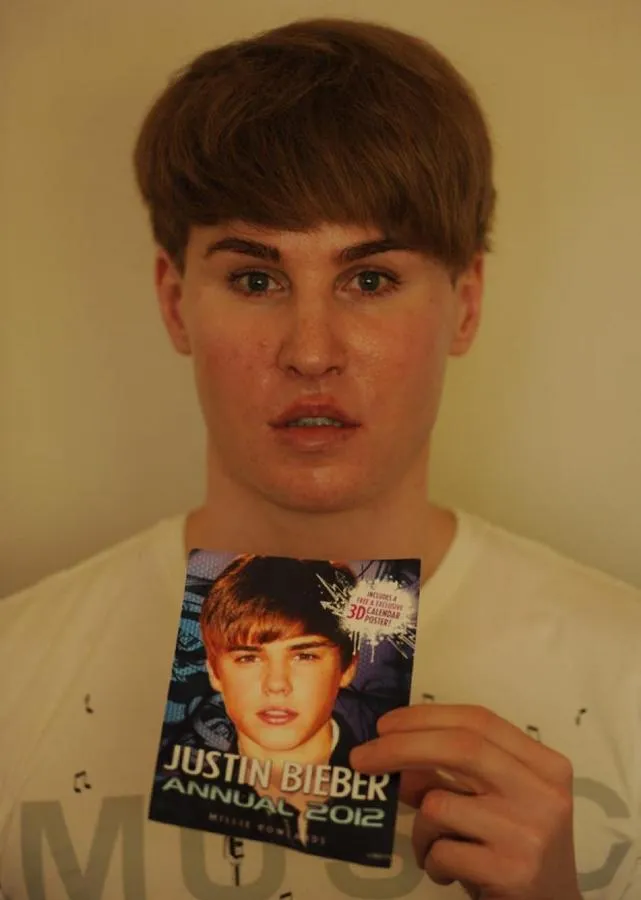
[370, 282]
[305, 656]
[246, 658]
[251, 283]
[256, 283]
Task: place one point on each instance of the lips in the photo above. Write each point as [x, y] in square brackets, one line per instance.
[277, 715]
[308, 409]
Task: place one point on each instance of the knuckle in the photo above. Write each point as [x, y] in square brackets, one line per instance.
[533, 842]
[565, 769]
[470, 746]
[560, 768]
[435, 804]
[485, 719]
[563, 803]
[481, 718]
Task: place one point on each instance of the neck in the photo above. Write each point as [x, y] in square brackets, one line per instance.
[400, 524]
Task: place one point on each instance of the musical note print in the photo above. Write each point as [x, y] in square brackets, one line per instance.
[77, 778]
[534, 730]
[428, 698]
[88, 703]
[287, 896]
[580, 714]
[234, 851]
[234, 848]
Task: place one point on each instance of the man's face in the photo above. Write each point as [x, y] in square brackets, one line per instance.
[280, 694]
[284, 340]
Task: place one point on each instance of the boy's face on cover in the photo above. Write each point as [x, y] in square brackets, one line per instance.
[290, 326]
[280, 694]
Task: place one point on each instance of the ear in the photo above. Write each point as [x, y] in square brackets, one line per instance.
[469, 294]
[169, 291]
[214, 680]
[348, 675]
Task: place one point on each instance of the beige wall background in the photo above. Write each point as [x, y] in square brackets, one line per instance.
[100, 434]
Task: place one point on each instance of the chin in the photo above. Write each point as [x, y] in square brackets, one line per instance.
[316, 502]
[284, 745]
[319, 492]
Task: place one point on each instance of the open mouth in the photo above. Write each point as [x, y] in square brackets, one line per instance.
[314, 414]
[315, 422]
[314, 427]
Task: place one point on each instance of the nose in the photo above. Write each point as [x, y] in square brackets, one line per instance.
[276, 678]
[312, 343]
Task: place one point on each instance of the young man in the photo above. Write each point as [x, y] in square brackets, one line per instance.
[278, 665]
[322, 199]
[276, 660]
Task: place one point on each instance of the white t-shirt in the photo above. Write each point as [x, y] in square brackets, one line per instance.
[549, 645]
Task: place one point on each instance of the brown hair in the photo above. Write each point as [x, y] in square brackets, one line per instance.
[258, 599]
[321, 120]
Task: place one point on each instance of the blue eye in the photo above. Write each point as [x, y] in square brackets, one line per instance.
[256, 283]
[370, 282]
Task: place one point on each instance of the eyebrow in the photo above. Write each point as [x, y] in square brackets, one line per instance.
[301, 645]
[310, 645]
[258, 250]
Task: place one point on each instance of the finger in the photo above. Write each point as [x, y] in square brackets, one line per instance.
[445, 821]
[426, 833]
[485, 820]
[477, 764]
[540, 759]
[451, 860]
[415, 783]
[471, 890]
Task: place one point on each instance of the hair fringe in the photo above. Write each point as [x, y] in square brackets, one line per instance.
[321, 120]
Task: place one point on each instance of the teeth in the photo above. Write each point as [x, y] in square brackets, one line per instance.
[314, 421]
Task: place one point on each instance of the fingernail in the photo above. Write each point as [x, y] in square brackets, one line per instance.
[446, 775]
[455, 781]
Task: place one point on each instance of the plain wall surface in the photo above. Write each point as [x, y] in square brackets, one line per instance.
[540, 427]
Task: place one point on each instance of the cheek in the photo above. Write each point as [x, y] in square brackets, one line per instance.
[321, 689]
[228, 366]
[423, 336]
[235, 685]
[410, 358]
[221, 334]
[222, 356]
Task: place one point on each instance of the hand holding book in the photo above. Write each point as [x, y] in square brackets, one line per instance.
[504, 827]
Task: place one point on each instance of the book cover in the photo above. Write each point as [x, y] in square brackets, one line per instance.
[281, 667]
